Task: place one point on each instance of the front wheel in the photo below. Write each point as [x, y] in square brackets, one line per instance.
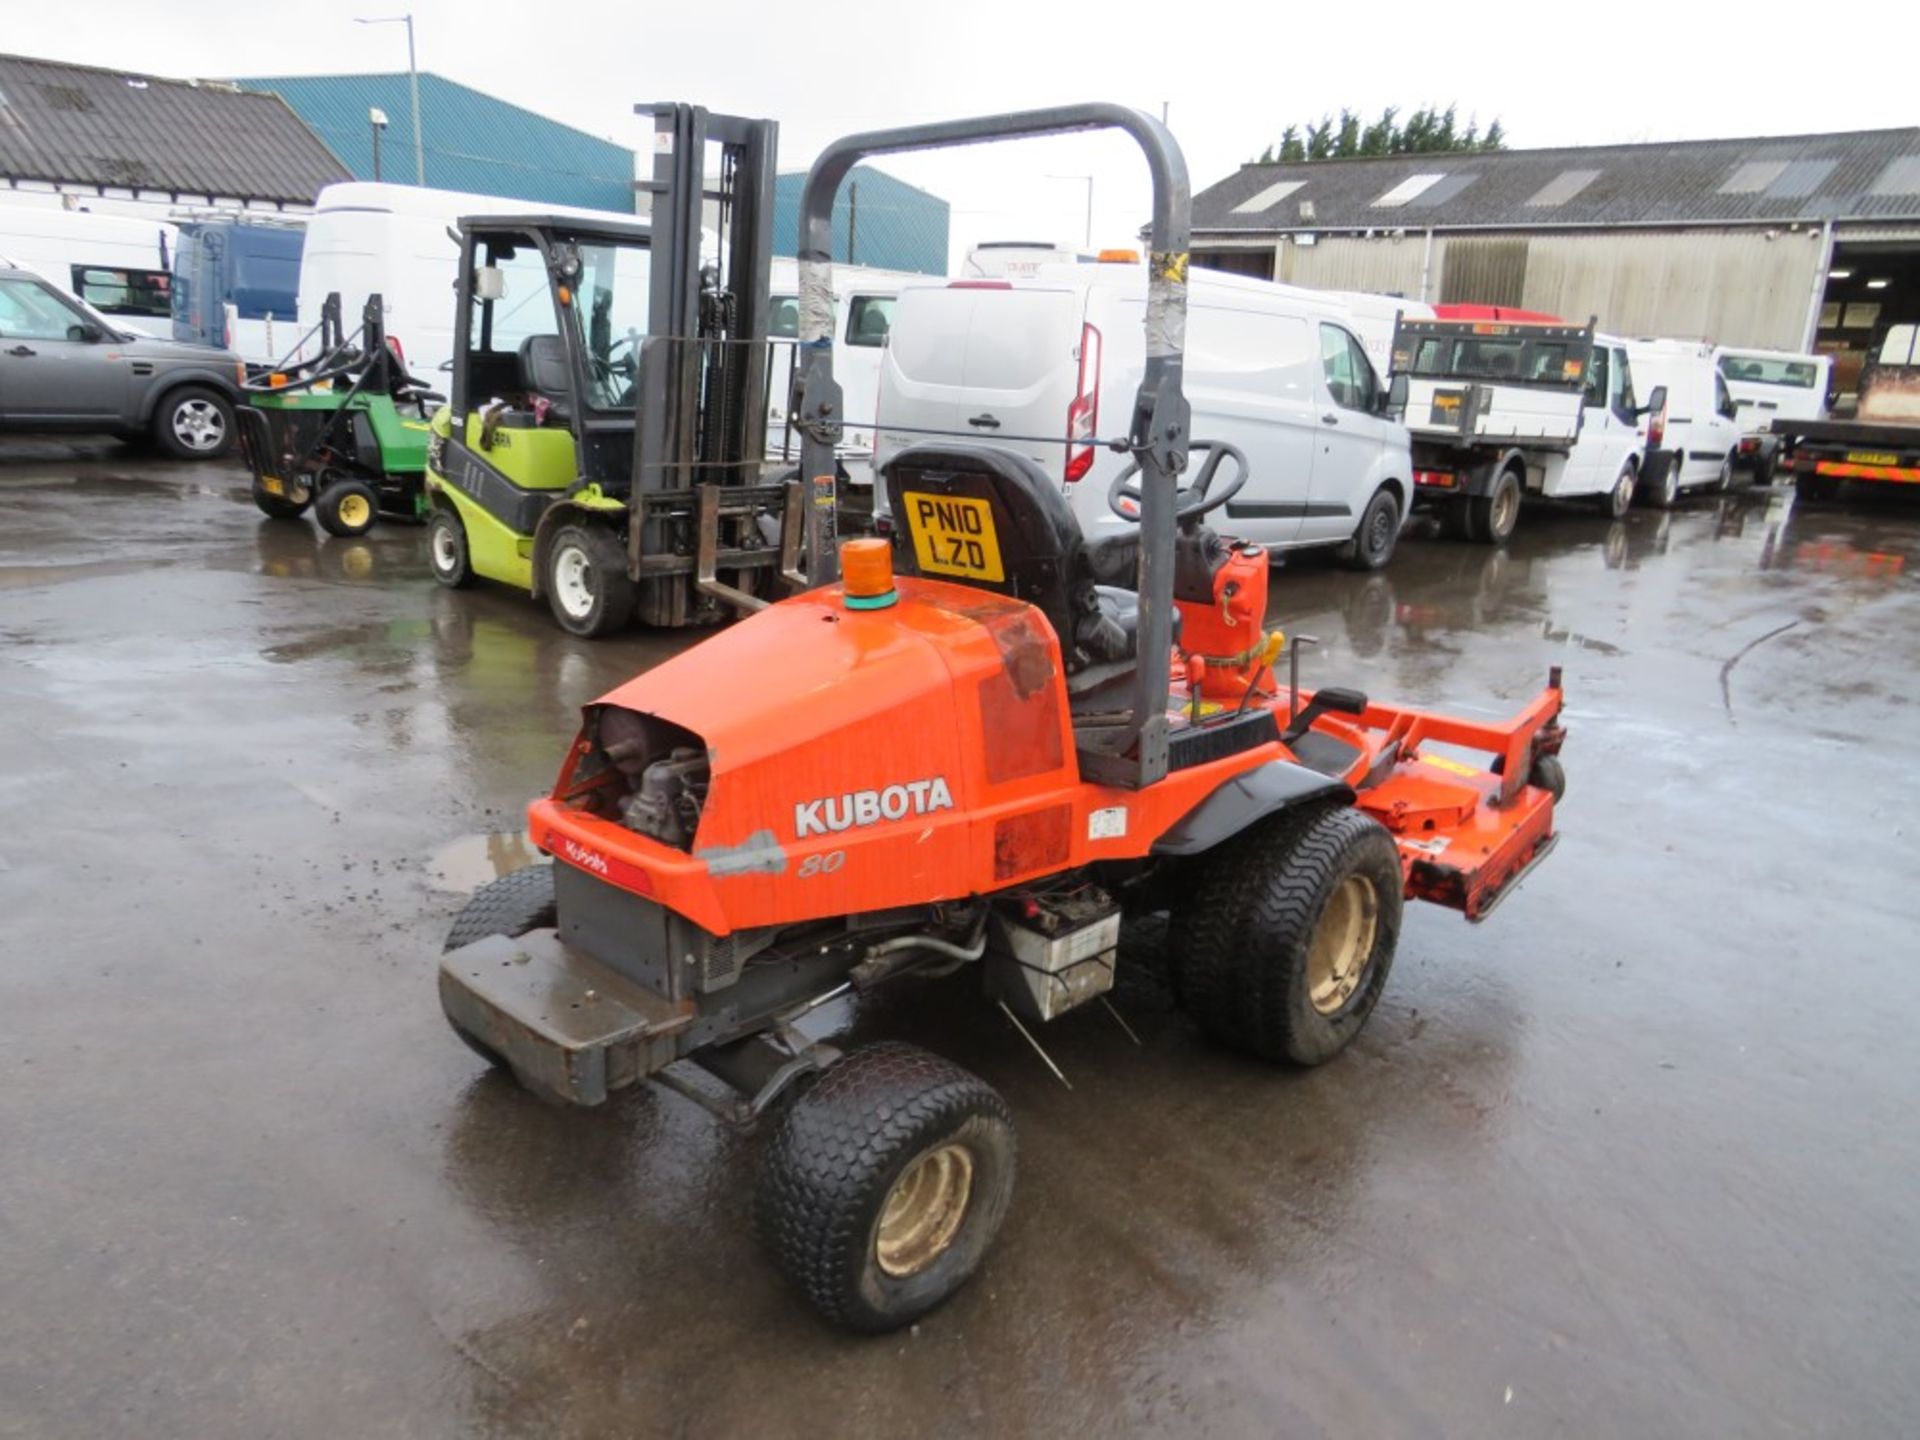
[586, 581]
[194, 423]
[347, 508]
[447, 550]
[1378, 532]
[1494, 515]
[884, 1184]
[1282, 947]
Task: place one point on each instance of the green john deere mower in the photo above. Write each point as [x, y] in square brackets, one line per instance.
[345, 433]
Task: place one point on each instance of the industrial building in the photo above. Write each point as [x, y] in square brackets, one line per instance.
[110, 140]
[877, 220]
[469, 140]
[1790, 242]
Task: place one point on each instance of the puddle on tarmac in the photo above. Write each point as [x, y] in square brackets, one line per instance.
[473, 860]
[24, 577]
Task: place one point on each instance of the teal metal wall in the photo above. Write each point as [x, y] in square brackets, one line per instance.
[472, 141]
[894, 225]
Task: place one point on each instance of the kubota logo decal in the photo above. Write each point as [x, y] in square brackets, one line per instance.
[580, 855]
[870, 807]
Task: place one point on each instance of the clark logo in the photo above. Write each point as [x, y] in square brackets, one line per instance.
[870, 807]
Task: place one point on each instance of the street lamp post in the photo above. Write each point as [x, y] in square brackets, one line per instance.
[1088, 180]
[413, 85]
[377, 118]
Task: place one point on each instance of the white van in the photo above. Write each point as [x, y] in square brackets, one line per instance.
[1769, 385]
[119, 264]
[864, 300]
[392, 241]
[1049, 367]
[1499, 410]
[1697, 443]
[1374, 317]
[1020, 259]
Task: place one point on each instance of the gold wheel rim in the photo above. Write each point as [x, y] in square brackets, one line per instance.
[354, 510]
[924, 1209]
[1342, 944]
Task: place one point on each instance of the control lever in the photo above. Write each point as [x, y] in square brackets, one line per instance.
[1333, 697]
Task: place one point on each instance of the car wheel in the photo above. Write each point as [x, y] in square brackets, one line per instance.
[1377, 533]
[194, 423]
[1617, 501]
[1724, 481]
[1763, 468]
[1495, 514]
[447, 550]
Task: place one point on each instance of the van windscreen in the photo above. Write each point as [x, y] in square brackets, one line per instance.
[1764, 370]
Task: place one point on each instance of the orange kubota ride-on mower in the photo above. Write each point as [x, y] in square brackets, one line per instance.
[970, 749]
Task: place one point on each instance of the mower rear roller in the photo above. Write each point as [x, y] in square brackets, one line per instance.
[278, 507]
[884, 1185]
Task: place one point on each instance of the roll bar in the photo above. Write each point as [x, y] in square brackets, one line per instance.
[1135, 753]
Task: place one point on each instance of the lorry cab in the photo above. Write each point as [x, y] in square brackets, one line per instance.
[1608, 454]
[1046, 367]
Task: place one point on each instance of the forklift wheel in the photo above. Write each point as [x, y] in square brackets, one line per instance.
[511, 905]
[586, 581]
[278, 507]
[347, 508]
[884, 1185]
[1284, 944]
[447, 550]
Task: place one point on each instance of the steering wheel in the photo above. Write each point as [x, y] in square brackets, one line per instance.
[626, 366]
[1197, 499]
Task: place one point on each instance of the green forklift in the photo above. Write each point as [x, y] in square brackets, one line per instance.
[605, 444]
[345, 433]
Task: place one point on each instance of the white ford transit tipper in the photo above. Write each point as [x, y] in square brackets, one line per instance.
[1502, 409]
[1048, 367]
[1696, 451]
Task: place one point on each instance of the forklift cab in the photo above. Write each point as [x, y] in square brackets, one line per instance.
[552, 314]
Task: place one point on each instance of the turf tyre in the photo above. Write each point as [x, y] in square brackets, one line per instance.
[511, 905]
[1241, 943]
[833, 1162]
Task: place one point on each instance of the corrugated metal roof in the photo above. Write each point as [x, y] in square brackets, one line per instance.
[75, 124]
[1858, 175]
[472, 141]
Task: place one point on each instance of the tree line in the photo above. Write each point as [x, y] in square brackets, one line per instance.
[1427, 131]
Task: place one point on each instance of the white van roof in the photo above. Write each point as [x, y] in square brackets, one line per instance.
[448, 205]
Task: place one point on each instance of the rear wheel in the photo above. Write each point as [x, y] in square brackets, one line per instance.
[1617, 501]
[1723, 482]
[1377, 534]
[194, 423]
[1494, 515]
[1662, 493]
[510, 906]
[1763, 463]
[447, 550]
[586, 581]
[1282, 947]
[1456, 519]
[347, 508]
[884, 1184]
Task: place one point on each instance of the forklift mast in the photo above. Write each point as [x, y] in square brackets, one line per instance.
[703, 369]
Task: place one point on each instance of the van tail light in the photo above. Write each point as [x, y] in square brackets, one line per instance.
[1657, 428]
[1083, 415]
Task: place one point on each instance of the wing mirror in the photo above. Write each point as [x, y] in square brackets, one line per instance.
[1393, 400]
[489, 283]
[86, 334]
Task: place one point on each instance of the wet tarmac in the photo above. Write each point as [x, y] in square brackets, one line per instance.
[1636, 1157]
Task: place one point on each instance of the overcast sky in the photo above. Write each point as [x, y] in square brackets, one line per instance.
[1234, 74]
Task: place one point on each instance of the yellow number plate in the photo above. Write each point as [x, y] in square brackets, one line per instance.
[953, 535]
[1871, 457]
[271, 484]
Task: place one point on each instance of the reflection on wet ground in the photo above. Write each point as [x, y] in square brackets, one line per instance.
[1626, 1159]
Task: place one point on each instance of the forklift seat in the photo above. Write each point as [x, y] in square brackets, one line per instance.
[543, 371]
[1029, 536]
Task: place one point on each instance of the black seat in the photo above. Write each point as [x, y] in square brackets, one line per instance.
[1040, 553]
[544, 372]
